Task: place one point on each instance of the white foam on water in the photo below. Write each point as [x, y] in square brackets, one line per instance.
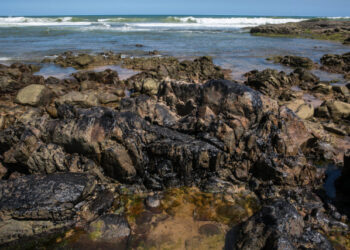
[204, 22]
[148, 23]
[38, 21]
[5, 58]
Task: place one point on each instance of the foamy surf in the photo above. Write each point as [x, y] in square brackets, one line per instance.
[38, 21]
[170, 21]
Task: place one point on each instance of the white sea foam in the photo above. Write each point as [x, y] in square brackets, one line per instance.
[40, 21]
[153, 23]
[234, 21]
[5, 58]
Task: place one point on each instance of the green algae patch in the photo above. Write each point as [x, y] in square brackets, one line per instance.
[307, 35]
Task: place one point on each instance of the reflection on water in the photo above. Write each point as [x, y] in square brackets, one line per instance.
[52, 70]
[332, 173]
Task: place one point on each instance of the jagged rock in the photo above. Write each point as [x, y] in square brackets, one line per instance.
[33, 95]
[224, 124]
[273, 83]
[198, 70]
[294, 61]
[106, 77]
[336, 63]
[17, 76]
[278, 226]
[31, 205]
[86, 99]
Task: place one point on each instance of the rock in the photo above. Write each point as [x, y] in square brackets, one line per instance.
[152, 202]
[150, 86]
[33, 95]
[301, 109]
[183, 137]
[84, 61]
[47, 159]
[105, 77]
[331, 127]
[3, 171]
[106, 98]
[322, 88]
[338, 110]
[209, 230]
[198, 70]
[324, 29]
[278, 225]
[342, 90]
[87, 85]
[118, 163]
[32, 205]
[110, 228]
[86, 99]
[294, 61]
[336, 63]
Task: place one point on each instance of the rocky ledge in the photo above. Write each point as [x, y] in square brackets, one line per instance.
[98, 161]
[323, 29]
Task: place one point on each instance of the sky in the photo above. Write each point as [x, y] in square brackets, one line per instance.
[176, 7]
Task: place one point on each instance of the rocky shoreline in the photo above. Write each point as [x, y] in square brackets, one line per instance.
[177, 156]
[323, 29]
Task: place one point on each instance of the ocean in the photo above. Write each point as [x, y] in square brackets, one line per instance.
[225, 38]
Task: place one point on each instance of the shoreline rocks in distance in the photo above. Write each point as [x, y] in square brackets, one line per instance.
[318, 28]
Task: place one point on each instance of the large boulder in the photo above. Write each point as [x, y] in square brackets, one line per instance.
[35, 204]
[278, 225]
[33, 95]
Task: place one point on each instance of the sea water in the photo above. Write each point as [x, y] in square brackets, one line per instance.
[225, 38]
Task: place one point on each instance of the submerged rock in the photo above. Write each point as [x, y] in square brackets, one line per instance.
[110, 228]
[278, 226]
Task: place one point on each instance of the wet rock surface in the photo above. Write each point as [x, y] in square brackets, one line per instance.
[31, 205]
[279, 226]
[337, 64]
[114, 160]
[294, 61]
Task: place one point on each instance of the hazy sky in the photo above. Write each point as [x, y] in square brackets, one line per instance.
[186, 7]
